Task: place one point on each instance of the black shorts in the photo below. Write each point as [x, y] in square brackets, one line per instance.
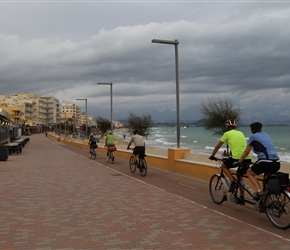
[265, 166]
[139, 150]
[229, 162]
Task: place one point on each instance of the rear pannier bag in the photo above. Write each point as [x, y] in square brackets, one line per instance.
[277, 181]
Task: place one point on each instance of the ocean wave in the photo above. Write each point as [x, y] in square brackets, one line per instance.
[160, 140]
[284, 157]
[169, 143]
[201, 141]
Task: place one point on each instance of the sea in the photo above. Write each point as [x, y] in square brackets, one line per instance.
[202, 141]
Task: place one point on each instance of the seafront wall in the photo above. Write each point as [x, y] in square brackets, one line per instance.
[176, 160]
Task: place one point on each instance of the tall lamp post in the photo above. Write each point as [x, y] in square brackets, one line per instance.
[175, 43]
[65, 124]
[111, 90]
[85, 99]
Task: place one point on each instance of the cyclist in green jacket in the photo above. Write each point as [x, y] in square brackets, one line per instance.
[110, 141]
[237, 144]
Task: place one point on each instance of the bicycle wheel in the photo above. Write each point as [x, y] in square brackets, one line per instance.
[132, 164]
[112, 157]
[143, 167]
[278, 209]
[217, 189]
[108, 156]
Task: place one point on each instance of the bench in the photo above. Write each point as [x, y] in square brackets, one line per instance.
[27, 139]
[13, 147]
[21, 142]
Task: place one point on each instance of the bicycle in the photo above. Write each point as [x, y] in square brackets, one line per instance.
[140, 163]
[275, 205]
[110, 154]
[93, 152]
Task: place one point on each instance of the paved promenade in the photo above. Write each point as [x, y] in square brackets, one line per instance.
[52, 198]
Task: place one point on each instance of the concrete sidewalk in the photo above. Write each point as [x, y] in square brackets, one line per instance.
[52, 198]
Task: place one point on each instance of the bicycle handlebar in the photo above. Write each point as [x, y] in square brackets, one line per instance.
[215, 159]
[236, 164]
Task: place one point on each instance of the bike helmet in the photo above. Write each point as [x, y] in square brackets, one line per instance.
[256, 126]
[231, 123]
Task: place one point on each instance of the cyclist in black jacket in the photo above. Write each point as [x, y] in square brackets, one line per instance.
[92, 142]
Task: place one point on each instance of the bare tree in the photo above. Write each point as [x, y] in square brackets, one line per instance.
[216, 111]
[142, 124]
[103, 125]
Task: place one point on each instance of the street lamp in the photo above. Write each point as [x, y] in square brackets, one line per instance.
[73, 119]
[85, 99]
[65, 124]
[111, 88]
[175, 43]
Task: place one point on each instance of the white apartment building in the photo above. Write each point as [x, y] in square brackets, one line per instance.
[91, 120]
[51, 109]
[30, 109]
[70, 111]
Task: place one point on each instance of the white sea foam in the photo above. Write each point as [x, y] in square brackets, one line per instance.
[169, 143]
[202, 141]
[160, 140]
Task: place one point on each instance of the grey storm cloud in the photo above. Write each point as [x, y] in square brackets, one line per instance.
[233, 49]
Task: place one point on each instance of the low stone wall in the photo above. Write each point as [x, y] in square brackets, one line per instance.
[177, 160]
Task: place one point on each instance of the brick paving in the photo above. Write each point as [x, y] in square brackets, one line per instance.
[52, 198]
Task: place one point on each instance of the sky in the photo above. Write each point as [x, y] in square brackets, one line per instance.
[227, 49]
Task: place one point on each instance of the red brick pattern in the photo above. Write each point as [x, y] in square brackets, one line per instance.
[52, 198]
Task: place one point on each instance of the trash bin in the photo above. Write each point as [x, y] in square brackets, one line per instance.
[3, 153]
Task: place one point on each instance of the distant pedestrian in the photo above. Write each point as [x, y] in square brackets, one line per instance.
[124, 136]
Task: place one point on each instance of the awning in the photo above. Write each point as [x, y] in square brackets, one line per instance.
[4, 119]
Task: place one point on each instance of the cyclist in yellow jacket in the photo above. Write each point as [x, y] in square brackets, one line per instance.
[110, 141]
[237, 144]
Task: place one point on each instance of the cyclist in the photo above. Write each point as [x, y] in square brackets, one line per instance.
[237, 143]
[110, 141]
[268, 160]
[139, 145]
[92, 142]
